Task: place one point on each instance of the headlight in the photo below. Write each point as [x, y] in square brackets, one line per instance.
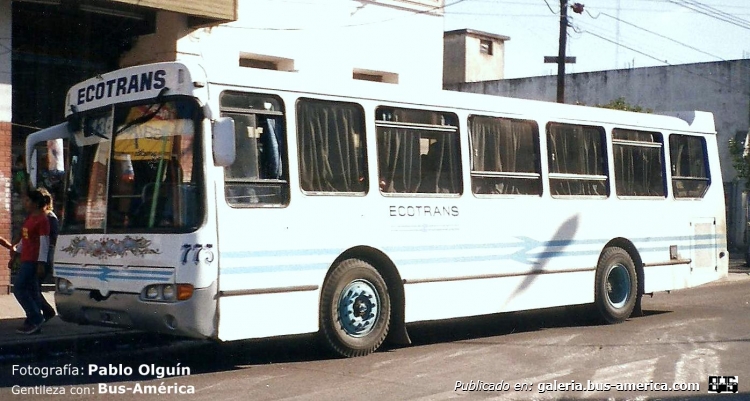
[168, 292]
[152, 292]
[64, 286]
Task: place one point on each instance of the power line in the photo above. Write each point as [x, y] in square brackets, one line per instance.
[716, 11]
[550, 8]
[662, 36]
[712, 12]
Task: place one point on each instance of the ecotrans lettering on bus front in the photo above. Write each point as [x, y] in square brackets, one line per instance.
[123, 86]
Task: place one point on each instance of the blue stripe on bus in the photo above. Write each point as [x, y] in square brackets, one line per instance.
[104, 273]
[144, 272]
[523, 255]
[525, 242]
[115, 276]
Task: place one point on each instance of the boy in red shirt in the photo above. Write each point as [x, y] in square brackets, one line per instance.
[34, 249]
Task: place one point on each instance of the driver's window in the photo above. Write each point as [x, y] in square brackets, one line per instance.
[258, 176]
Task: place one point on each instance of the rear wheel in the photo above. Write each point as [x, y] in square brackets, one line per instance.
[616, 288]
[355, 309]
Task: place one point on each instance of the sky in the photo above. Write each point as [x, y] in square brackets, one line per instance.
[609, 34]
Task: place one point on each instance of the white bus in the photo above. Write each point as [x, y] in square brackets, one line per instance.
[244, 203]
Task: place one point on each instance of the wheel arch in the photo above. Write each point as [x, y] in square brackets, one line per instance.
[387, 269]
[632, 251]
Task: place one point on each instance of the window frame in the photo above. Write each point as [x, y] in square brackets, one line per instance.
[604, 163]
[706, 167]
[486, 47]
[362, 144]
[639, 144]
[536, 145]
[78, 142]
[417, 128]
[284, 182]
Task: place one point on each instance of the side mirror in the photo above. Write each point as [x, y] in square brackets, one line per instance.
[59, 131]
[223, 141]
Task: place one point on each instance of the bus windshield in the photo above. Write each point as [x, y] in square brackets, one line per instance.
[135, 168]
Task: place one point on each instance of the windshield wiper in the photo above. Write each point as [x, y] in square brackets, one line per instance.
[77, 123]
[148, 115]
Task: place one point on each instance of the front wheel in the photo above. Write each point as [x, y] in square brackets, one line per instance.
[355, 309]
[616, 288]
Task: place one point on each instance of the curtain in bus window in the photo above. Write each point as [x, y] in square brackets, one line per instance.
[638, 163]
[503, 146]
[331, 147]
[440, 165]
[576, 150]
[417, 161]
[399, 160]
[271, 160]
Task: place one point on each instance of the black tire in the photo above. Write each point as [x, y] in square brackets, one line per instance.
[355, 309]
[616, 285]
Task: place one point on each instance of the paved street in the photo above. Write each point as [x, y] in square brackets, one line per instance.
[684, 338]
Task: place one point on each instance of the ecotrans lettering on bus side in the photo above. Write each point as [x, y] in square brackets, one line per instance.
[418, 211]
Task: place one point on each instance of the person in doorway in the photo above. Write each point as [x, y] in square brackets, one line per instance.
[34, 252]
[20, 177]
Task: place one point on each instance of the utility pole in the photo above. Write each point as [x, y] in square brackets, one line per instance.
[561, 59]
[561, 51]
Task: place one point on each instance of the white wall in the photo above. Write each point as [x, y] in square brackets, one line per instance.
[483, 67]
[5, 60]
[327, 39]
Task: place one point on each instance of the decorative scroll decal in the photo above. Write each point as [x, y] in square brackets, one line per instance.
[109, 247]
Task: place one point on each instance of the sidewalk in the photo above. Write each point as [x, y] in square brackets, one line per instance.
[54, 331]
[59, 336]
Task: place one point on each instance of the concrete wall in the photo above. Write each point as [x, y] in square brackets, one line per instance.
[722, 88]
[326, 39]
[454, 59]
[480, 66]
[5, 138]
[160, 45]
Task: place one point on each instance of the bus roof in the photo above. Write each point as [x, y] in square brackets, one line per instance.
[693, 121]
[147, 81]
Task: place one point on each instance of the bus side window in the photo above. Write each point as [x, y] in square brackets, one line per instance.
[638, 157]
[577, 160]
[258, 177]
[690, 177]
[331, 146]
[504, 156]
[418, 152]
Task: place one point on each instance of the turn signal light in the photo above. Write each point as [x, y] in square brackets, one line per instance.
[184, 291]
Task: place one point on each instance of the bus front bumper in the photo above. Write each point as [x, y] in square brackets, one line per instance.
[194, 317]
